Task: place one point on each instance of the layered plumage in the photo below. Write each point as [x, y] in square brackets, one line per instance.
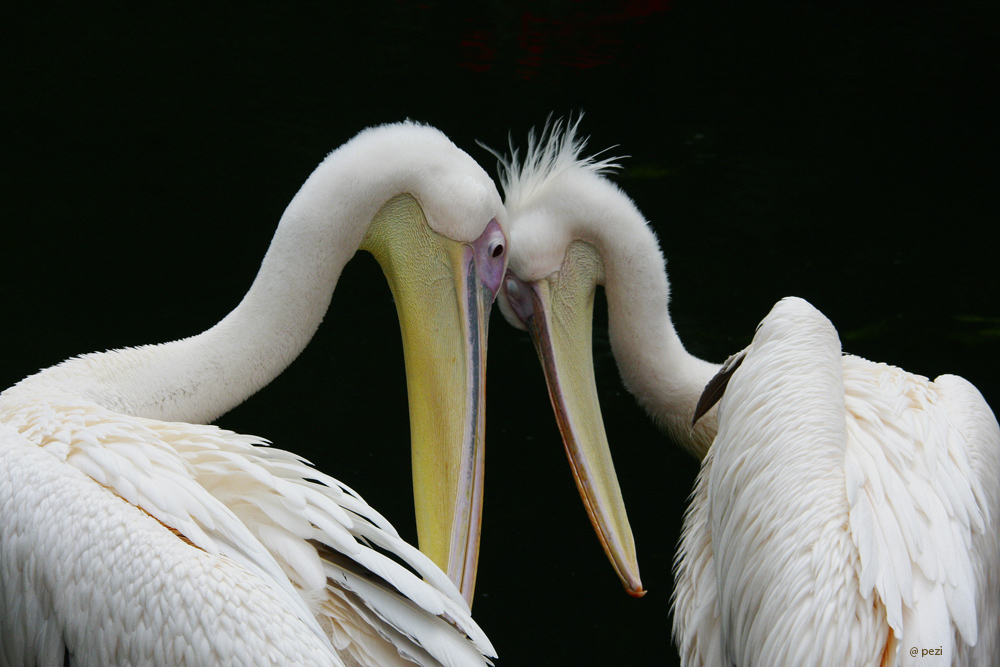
[847, 512]
[130, 537]
[225, 551]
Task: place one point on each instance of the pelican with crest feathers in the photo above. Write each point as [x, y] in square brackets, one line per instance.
[846, 512]
[132, 534]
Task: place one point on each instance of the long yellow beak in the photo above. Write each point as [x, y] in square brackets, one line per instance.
[558, 312]
[444, 290]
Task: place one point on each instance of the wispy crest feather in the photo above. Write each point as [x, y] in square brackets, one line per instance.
[554, 151]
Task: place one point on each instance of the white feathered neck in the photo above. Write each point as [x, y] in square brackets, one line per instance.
[556, 196]
[199, 378]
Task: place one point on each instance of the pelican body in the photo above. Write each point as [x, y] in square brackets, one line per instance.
[847, 511]
[133, 534]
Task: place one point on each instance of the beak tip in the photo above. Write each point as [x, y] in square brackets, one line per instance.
[633, 586]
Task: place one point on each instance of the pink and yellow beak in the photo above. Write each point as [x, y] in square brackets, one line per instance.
[444, 290]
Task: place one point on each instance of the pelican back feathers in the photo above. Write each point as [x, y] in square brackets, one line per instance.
[846, 512]
[334, 563]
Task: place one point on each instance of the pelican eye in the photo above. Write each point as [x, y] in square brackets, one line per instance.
[497, 250]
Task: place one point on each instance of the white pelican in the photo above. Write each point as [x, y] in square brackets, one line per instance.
[934, 445]
[848, 512]
[130, 538]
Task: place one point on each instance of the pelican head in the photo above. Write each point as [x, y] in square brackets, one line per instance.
[435, 222]
[554, 199]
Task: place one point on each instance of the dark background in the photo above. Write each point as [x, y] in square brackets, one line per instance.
[843, 152]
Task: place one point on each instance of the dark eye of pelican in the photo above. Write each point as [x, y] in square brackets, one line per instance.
[497, 250]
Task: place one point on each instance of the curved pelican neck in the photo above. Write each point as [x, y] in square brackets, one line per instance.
[665, 378]
[200, 378]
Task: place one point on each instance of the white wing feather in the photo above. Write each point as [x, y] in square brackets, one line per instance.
[974, 420]
[914, 500]
[92, 578]
[697, 627]
[902, 551]
[268, 510]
